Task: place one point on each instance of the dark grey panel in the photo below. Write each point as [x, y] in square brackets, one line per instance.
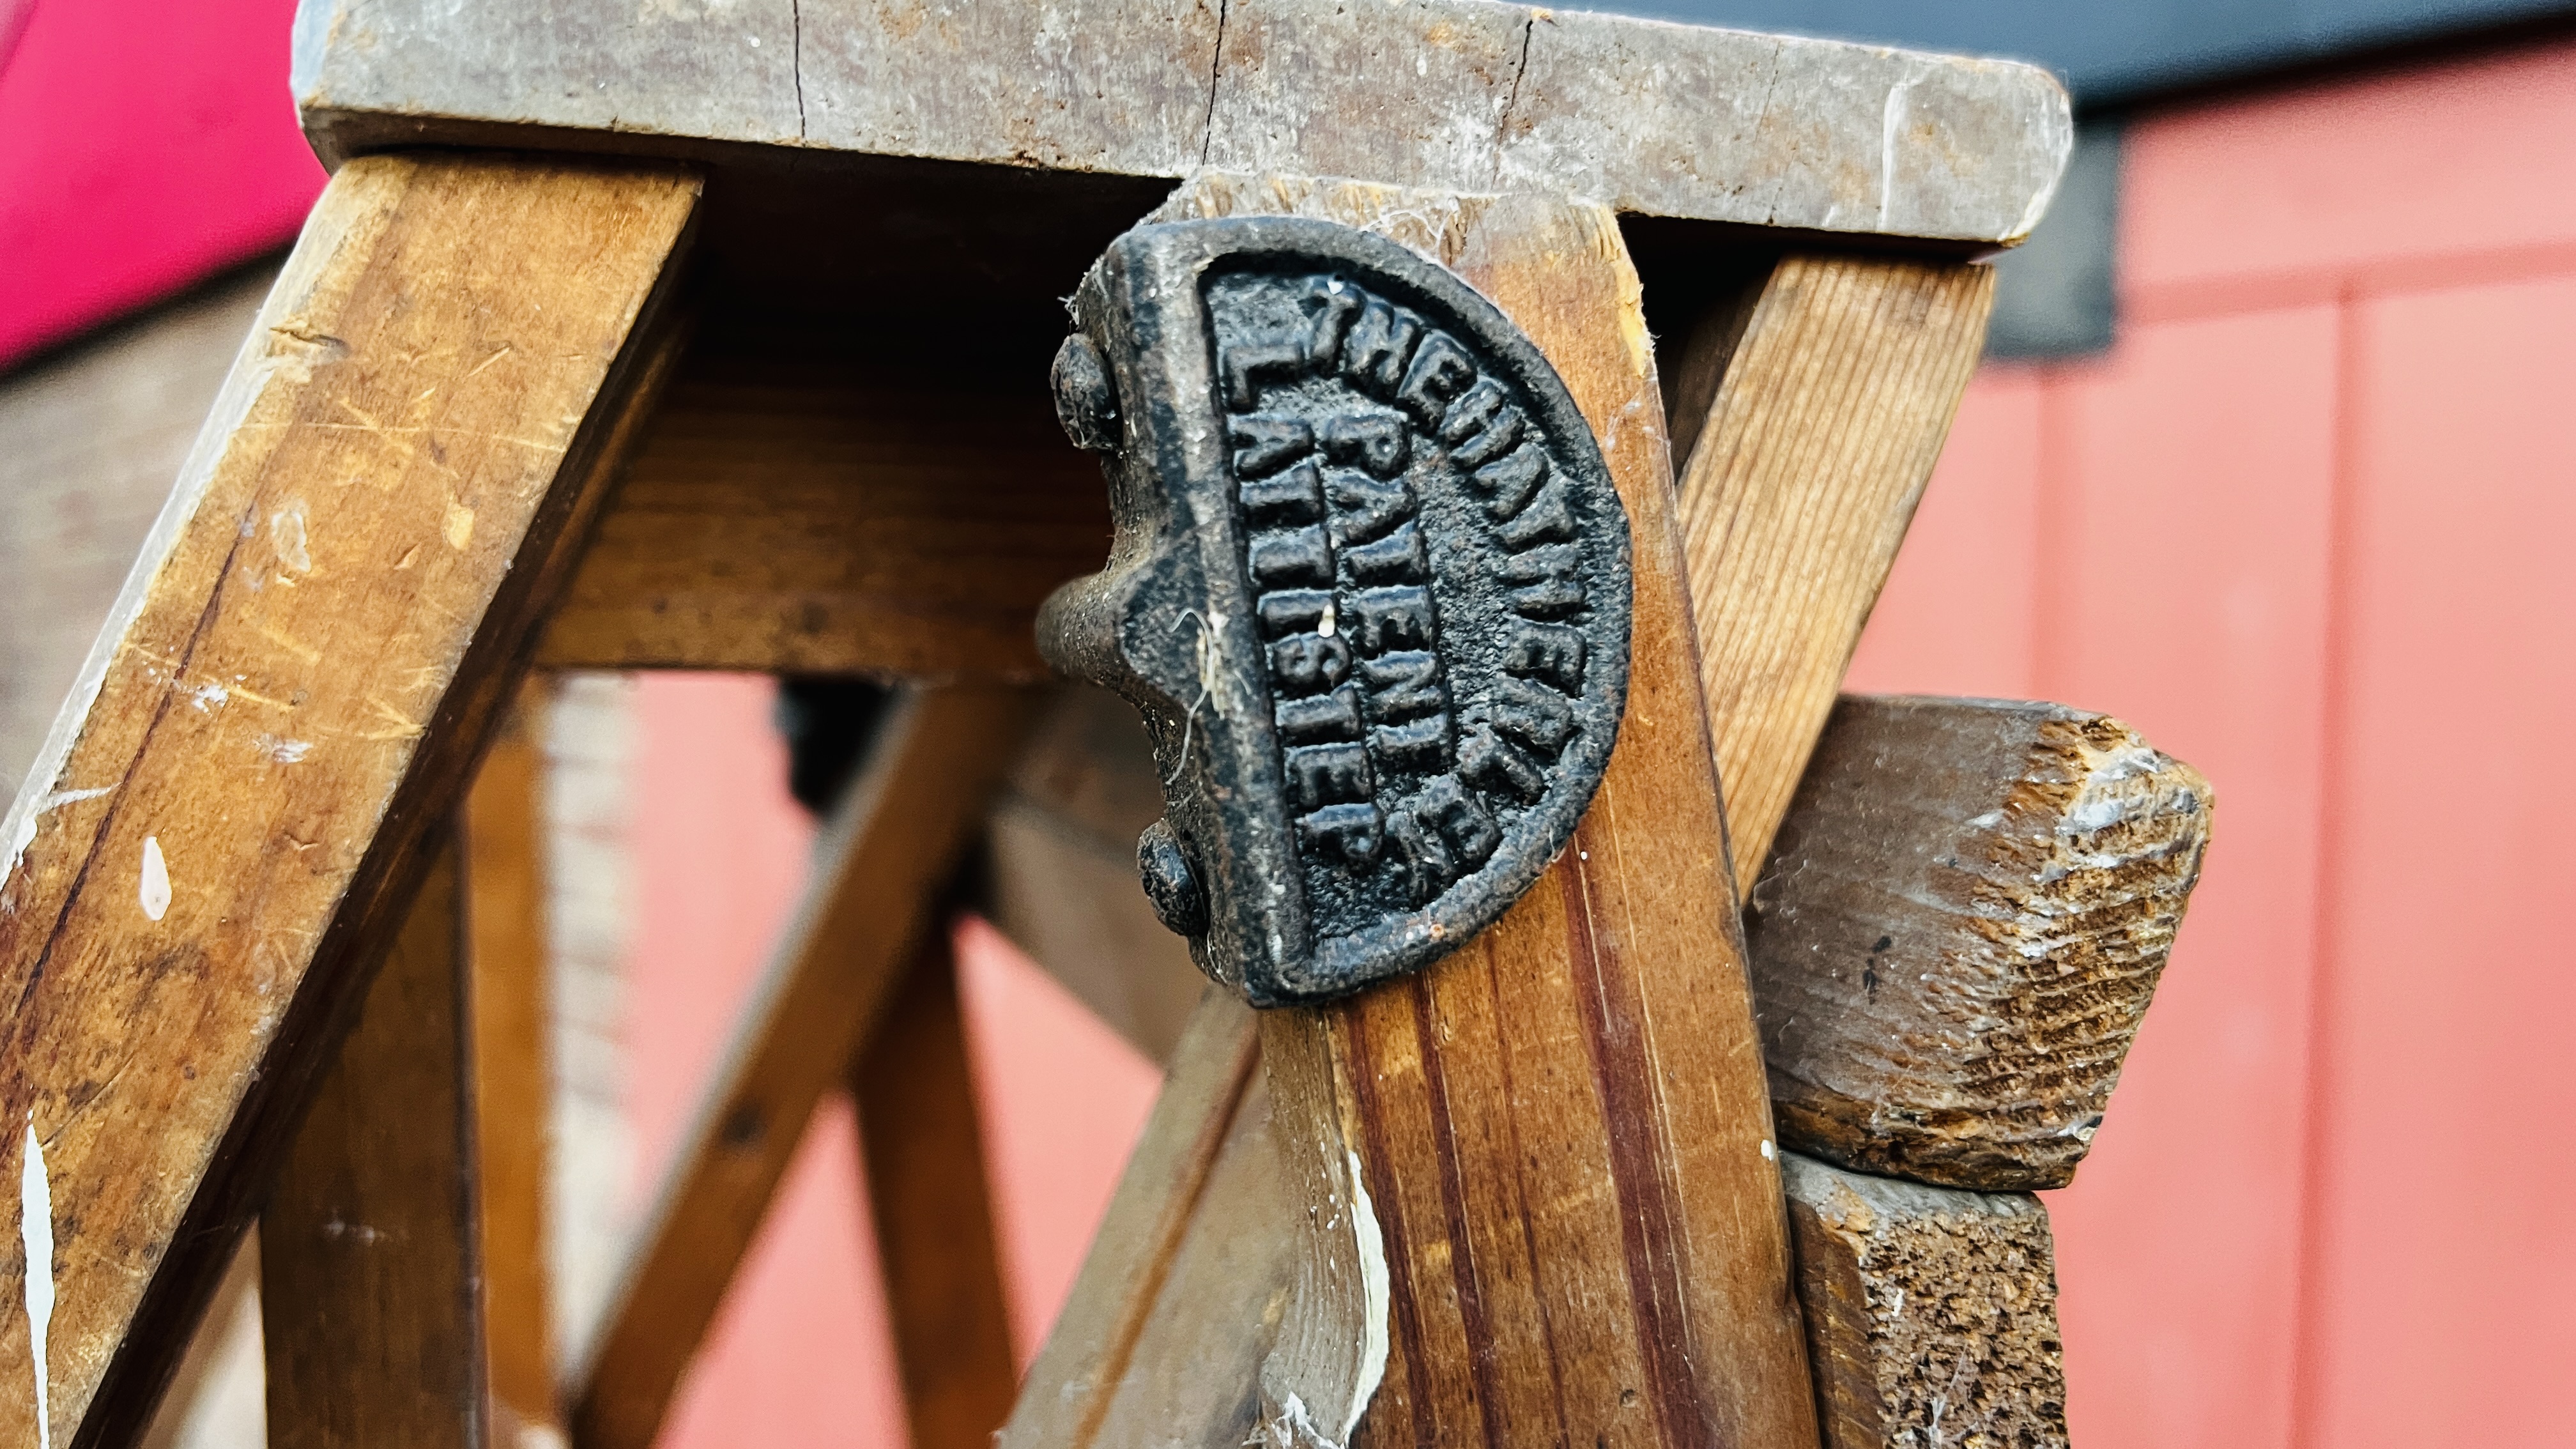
[2055, 294]
[2110, 50]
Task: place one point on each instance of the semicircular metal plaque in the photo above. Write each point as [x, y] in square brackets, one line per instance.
[1370, 590]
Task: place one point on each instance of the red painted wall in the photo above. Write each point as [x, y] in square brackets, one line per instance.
[2303, 526]
[143, 145]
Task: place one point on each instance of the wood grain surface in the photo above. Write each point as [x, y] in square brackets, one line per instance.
[371, 1247]
[923, 1145]
[1960, 930]
[1438, 95]
[1538, 1179]
[503, 839]
[223, 830]
[1162, 1337]
[894, 843]
[1932, 1313]
[1798, 490]
[810, 518]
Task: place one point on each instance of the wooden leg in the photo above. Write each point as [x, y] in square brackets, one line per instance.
[924, 1145]
[1825, 424]
[896, 842]
[227, 825]
[1162, 1338]
[513, 1088]
[371, 1260]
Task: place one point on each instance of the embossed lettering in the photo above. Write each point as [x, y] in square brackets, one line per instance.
[1403, 684]
[1417, 745]
[1320, 718]
[1309, 663]
[1335, 302]
[1474, 411]
[1546, 521]
[1346, 833]
[1295, 496]
[1511, 481]
[1381, 342]
[1247, 363]
[1396, 558]
[1262, 443]
[1290, 611]
[1538, 717]
[1387, 619]
[1441, 370]
[1365, 508]
[1375, 441]
[1329, 775]
[1421, 855]
[1488, 763]
[1550, 652]
[1299, 556]
[1462, 822]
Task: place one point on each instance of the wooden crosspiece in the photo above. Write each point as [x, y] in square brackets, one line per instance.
[735, 361]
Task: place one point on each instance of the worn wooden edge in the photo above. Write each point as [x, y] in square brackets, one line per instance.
[1462, 96]
[1066, 1396]
[111, 1400]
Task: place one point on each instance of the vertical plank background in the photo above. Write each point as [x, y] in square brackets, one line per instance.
[2301, 526]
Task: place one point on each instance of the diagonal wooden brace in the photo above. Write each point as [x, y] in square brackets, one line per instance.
[226, 825]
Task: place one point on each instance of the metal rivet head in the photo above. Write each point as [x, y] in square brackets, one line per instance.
[1085, 400]
[1169, 882]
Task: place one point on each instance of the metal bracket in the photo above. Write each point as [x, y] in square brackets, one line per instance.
[1370, 591]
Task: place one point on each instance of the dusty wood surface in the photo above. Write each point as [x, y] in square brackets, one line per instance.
[1571, 1227]
[1060, 867]
[924, 1148]
[1162, 1337]
[371, 1272]
[1932, 1313]
[1798, 491]
[1459, 96]
[895, 841]
[810, 518]
[224, 826]
[1960, 929]
[505, 924]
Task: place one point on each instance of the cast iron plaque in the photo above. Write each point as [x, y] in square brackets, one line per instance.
[1369, 589]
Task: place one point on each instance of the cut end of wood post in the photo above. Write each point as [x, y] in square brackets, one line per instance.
[1931, 1313]
[1960, 929]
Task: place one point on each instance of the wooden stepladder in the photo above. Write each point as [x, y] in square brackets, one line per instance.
[684, 350]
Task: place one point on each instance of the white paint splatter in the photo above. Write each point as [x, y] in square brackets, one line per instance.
[1767, 1151]
[1891, 124]
[1376, 1290]
[210, 695]
[284, 752]
[36, 1231]
[286, 532]
[155, 891]
[25, 835]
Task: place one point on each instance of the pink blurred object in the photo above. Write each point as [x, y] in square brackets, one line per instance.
[142, 147]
